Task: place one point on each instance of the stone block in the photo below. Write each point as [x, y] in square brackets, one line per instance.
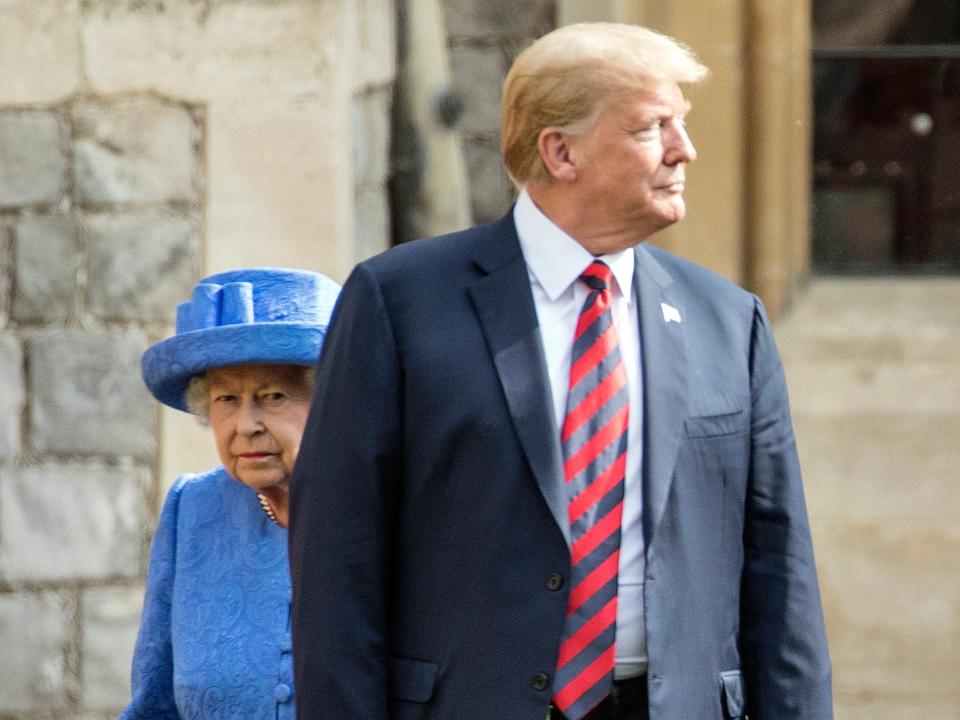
[71, 522]
[45, 253]
[371, 137]
[86, 395]
[34, 631]
[864, 387]
[33, 171]
[111, 617]
[39, 50]
[491, 191]
[864, 468]
[140, 264]
[135, 151]
[371, 226]
[285, 202]
[230, 49]
[893, 704]
[485, 18]
[478, 74]
[891, 605]
[11, 399]
[873, 320]
[375, 62]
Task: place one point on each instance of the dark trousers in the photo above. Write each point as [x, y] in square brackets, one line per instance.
[627, 701]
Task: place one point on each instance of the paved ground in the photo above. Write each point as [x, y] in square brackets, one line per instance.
[874, 373]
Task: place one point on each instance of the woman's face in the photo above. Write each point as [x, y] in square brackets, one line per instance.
[258, 413]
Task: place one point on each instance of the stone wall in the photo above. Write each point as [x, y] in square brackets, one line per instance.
[143, 144]
[483, 38]
[101, 229]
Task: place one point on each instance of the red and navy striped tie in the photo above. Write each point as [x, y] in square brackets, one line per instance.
[594, 440]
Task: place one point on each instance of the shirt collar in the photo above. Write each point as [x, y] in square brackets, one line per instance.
[556, 259]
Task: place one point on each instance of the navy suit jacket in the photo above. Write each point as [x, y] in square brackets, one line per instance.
[427, 513]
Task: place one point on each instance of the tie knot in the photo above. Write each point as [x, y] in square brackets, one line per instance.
[597, 276]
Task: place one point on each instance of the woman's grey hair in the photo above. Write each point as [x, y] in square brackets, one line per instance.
[197, 395]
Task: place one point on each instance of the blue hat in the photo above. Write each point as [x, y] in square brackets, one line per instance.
[241, 317]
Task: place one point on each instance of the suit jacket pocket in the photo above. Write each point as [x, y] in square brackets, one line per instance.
[732, 695]
[716, 411]
[733, 422]
[413, 680]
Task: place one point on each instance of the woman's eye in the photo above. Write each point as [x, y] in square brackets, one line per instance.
[273, 398]
[224, 398]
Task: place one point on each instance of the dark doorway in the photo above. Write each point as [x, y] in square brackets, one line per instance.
[886, 187]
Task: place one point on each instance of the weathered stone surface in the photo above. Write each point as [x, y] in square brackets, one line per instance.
[11, 399]
[34, 165]
[864, 468]
[893, 705]
[45, 251]
[371, 137]
[140, 264]
[86, 395]
[34, 630]
[480, 18]
[215, 50]
[39, 50]
[111, 617]
[71, 522]
[478, 74]
[288, 202]
[873, 367]
[859, 387]
[892, 607]
[371, 225]
[135, 151]
[490, 186]
[376, 49]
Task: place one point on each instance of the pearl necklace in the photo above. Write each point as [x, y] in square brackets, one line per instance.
[267, 509]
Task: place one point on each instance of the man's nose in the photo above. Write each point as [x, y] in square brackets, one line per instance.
[680, 148]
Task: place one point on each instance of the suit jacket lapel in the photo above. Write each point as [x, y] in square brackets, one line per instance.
[504, 306]
[664, 386]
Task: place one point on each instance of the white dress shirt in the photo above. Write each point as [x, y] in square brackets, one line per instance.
[554, 262]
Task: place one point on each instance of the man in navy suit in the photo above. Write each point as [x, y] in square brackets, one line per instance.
[550, 470]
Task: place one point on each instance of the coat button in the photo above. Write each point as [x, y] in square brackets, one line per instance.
[282, 692]
[554, 581]
[540, 681]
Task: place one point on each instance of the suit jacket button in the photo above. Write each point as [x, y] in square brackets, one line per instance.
[554, 581]
[541, 681]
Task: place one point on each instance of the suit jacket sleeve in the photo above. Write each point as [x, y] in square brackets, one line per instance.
[151, 676]
[785, 654]
[341, 507]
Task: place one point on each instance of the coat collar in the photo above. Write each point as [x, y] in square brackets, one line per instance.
[504, 306]
[664, 353]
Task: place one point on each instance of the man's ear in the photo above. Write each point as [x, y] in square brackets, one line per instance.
[555, 147]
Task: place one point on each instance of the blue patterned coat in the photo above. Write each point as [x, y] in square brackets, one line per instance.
[214, 638]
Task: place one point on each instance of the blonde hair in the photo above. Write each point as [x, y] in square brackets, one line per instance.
[564, 79]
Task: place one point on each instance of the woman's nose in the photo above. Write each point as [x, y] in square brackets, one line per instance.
[248, 419]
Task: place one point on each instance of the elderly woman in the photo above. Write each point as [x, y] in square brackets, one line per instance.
[214, 637]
